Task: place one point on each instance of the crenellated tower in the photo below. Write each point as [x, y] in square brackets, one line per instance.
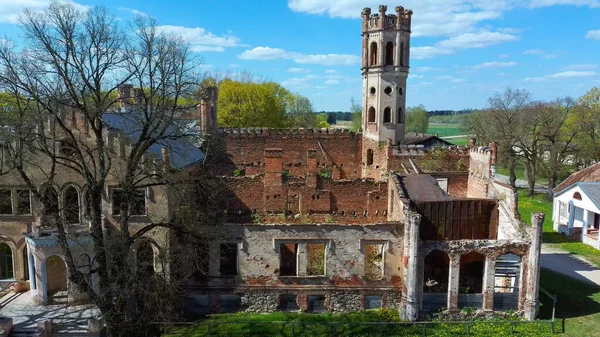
[385, 64]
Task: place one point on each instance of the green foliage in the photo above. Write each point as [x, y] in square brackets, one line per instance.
[356, 112]
[417, 119]
[239, 173]
[322, 121]
[348, 325]
[443, 129]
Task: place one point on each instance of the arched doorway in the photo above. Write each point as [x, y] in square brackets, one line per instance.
[6, 262]
[435, 281]
[470, 283]
[145, 260]
[56, 279]
[507, 282]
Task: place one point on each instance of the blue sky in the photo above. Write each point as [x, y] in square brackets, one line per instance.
[462, 52]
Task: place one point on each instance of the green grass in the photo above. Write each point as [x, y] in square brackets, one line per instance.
[443, 129]
[539, 203]
[459, 141]
[578, 303]
[345, 325]
[520, 173]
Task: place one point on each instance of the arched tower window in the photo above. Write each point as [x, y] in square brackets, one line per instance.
[387, 115]
[50, 202]
[373, 54]
[371, 115]
[402, 54]
[389, 54]
[369, 157]
[400, 115]
[71, 205]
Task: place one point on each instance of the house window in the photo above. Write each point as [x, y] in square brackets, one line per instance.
[372, 302]
[137, 204]
[577, 196]
[200, 261]
[23, 202]
[71, 205]
[288, 303]
[288, 259]
[5, 202]
[374, 261]
[316, 258]
[230, 303]
[50, 202]
[228, 259]
[67, 148]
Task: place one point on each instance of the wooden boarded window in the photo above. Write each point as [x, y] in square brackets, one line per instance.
[374, 261]
[288, 259]
[316, 258]
[371, 115]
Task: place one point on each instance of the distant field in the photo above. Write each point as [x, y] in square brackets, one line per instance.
[443, 129]
[459, 140]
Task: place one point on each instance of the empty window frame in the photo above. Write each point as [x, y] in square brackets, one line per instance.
[387, 115]
[316, 304]
[6, 202]
[228, 259]
[23, 202]
[374, 261]
[389, 53]
[372, 302]
[288, 303]
[316, 259]
[371, 115]
[288, 257]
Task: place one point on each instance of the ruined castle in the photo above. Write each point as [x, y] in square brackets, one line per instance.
[326, 219]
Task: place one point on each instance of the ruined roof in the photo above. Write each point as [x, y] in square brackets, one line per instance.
[424, 188]
[588, 174]
[419, 138]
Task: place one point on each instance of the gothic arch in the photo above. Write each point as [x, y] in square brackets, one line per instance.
[71, 201]
[389, 53]
[371, 115]
[373, 54]
[387, 115]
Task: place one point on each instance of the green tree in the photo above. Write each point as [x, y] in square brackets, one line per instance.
[356, 112]
[249, 104]
[300, 111]
[417, 119]
[322, 121]
[588, 140]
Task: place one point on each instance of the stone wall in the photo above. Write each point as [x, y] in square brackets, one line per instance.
[479, 172]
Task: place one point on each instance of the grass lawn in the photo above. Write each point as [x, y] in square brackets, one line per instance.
[578, 303]
[520, 173]
[443, 129]
[459, 141]
[538, 203]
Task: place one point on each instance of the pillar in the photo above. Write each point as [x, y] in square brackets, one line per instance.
[44, 283]
[489, 274]
[533, 271]
[302, 259]
[453, 281]
[585, 222]
[571, 215]
[411, 292]
[31, 265]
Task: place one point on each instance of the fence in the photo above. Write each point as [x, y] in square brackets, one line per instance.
[355, 329]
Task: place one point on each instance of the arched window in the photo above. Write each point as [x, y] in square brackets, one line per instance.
[389, 54]
[387, 115]
[402, 54]
[400, 115]
[6, 262]
[435, 276]
[50, 202]
[371, 115]
[471, 273]
[369, 157]
[577, 196]
[373, 54]
[67, 148]
[71, 205]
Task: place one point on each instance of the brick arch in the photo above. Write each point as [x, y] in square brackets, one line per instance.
[156, 249]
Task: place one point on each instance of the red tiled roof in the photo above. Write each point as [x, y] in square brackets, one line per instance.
[588, 174]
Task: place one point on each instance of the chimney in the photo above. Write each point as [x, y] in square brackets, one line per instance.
[137, 94]
[166, 157]
[494, 147]
[472, 142]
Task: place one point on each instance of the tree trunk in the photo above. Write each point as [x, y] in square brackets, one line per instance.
[530, 179]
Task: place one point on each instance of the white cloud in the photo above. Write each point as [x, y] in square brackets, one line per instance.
[234, 65]
[11, 9]
[415, 76]
[581, 67]
[133, 11]
[458, 80]
[425, 69]
[301, 82]
[270, 54]
[503, 56]
[445, 77]
[298, 70]
[593, 35]
[464, 41]
[492, 65]
[548, 3]
[330, 71]
[330, 82]
[201, 40]
[562, 75]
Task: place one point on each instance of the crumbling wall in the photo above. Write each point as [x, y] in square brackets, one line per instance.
[479, 172]
[509, 224]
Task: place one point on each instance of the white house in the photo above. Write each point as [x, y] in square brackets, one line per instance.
[576, 206]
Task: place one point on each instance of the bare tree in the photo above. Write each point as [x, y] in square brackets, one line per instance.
[530, 142]
[62, 87]
[506, 116]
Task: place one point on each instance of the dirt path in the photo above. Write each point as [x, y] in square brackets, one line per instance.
[560, 261]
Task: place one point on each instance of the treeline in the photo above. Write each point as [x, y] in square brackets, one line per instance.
[551, 138]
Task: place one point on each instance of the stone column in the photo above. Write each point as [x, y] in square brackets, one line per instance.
[571, 215]
[411, 292]
[489, 272]
[31, 265]
[585, 222]
[302, 259]
[453, 281]
[533, 275]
